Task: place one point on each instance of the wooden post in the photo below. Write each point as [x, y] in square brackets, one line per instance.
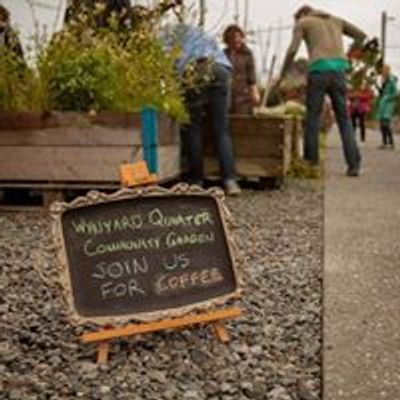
[149, 129]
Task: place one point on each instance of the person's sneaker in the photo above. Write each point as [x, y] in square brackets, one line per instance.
[391, 147]
[232, 188]
[353, 171]
[382, 147]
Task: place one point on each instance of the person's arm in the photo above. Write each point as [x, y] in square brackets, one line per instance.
[354, 32]
[251, 78]
[392, 90]
[292, 50]
[250, 69]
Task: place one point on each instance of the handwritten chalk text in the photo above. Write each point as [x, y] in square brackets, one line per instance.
[202, 278]
[91, 249]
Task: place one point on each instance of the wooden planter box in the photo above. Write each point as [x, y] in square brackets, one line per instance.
[262, 146]
[67, 149]
[297, 138]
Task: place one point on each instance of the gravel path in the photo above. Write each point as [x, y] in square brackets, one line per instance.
[275, 352]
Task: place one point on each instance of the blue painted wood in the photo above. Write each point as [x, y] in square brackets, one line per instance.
[149, 131]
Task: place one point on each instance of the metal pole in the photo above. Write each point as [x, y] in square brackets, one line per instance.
[246, 15]
[264, 100]
[267, 48]
[279, 40]
[202, 13]
[383, 35]
[237, 14]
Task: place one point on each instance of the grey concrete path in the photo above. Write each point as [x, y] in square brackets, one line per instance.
[362, 275]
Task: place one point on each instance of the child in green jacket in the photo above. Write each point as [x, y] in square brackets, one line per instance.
[386, 107]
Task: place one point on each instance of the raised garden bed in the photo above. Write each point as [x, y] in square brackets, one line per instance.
[69, 149]
[262, 146]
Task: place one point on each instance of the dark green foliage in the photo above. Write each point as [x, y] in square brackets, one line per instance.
[15, 80]
[365, 64]
[84, 68]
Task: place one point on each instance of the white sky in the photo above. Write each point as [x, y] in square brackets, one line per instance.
[262, 14]
[366, 14]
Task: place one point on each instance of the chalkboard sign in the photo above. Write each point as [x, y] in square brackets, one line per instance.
[145, 253]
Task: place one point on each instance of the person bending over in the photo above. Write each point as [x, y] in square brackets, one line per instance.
[323, 34]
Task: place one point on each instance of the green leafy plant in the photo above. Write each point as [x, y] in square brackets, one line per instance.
[14, 82]
[81, 77]
[84, 68]
[151, 77]
[365, 64]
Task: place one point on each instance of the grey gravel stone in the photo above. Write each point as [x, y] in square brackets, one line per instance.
[278, 393]
[278, 233]
[105, 390]
[87, 367]
[16, 394]
[158, 376]
[305, 390]
[191, 395]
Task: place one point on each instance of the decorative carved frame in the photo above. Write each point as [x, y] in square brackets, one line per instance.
[94, 197]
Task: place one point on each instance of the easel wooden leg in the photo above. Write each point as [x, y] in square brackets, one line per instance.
[103, 349]
[215, 318]
[220, 332]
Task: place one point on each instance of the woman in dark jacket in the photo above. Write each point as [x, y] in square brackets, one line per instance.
[8, 37]
[244, 86]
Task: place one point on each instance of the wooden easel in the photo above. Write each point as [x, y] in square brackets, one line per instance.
[215, 318]
[135, 175]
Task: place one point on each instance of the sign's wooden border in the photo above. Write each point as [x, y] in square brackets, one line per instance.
[93, 197]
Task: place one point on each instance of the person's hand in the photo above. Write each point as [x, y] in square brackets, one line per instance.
[255, 96]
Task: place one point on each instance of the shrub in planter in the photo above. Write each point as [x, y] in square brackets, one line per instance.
[14, 82]
[81, 77]
[86, 69]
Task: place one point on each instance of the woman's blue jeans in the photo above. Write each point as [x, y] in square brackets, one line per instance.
[210, 101]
